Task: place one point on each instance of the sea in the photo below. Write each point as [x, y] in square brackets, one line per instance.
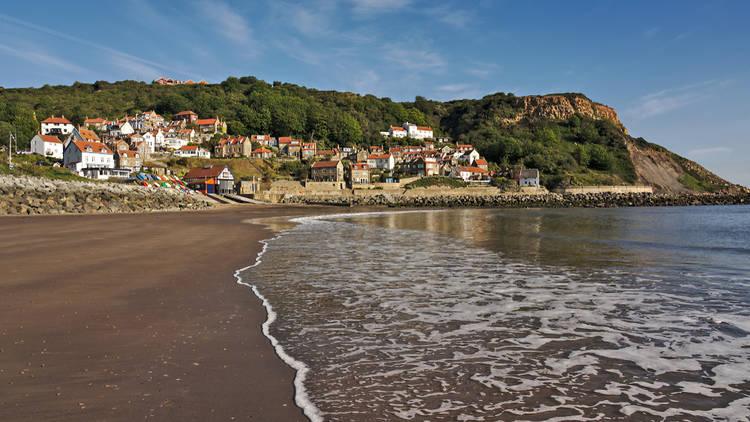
[514, 314]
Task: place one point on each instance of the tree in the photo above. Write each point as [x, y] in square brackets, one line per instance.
[599, 157]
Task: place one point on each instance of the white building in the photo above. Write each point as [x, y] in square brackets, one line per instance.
[57, 126]
[46, 145]
[529, 177]
[154, 139]
[381, 161]
[417, 132]
[267, 140]
[174, 143]
[79, 155]
[397, 132]
[192, 151]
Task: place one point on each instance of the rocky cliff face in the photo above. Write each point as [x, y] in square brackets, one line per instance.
[561, 107]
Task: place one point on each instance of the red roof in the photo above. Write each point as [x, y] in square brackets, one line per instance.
[95, 146]
[325, 164]
[395, 128]
[285, 139]
[480, 161]
[189, 148]
[201, 122]
[379, 156]
[88, 134]
[54, 119]
[309, 145]
[471, 169]
[185, 113]
[48, 138]
[424, 128]
[464, 146]
[261, 150]
[131, 154]
[359, 166]
[97, 120]
[204, 173]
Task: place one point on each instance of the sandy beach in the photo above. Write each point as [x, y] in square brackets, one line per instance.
[137, 316]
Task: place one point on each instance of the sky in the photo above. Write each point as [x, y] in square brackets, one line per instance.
[677, 72]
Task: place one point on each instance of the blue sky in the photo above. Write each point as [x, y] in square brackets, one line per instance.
[677, 72]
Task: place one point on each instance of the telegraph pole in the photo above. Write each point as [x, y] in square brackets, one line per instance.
[10, 154]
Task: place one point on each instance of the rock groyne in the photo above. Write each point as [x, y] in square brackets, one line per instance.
[548, 200]
[23, 195]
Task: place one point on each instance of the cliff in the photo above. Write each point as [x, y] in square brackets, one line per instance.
[561, 107]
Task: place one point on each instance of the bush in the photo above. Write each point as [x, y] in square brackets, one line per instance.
[436, 181]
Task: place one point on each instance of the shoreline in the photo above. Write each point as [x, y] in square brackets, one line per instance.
[128, 320]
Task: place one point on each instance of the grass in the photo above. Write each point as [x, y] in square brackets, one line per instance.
[26, 165]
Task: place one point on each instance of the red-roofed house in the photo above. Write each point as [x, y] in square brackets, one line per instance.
[308, 150]
[192, 151]
[211, 125]
[47, 145]
[469, 173]
[97, 123]
[421, 166]
[188, 116]
[214, 179]
[481, 163]
[327, 171]
[261, 153]
[129, 160]
[417, 132]
[397, 132]
[56, 126]
[360, 173]
[81, 155]
[381, 161]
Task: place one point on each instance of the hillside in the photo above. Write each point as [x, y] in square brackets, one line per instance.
[570, 138]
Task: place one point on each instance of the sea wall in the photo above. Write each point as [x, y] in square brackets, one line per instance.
[549, 200]
[604, 189]
[23, 195]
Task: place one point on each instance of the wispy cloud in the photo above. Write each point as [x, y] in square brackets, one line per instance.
[448, 15]
[482, 70]
[33, 55]
[651, 32]
[369, 7]
[226, 22]
[711, 150]
[410, 56]
[671, 99]
[91, 44]
[134, 69]
[458, 90]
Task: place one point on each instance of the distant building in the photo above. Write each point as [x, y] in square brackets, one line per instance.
[128, 160]
[56, 126]
[417, 132]
[421, 166]
[467, 173]
[266, 140]
[261, 153]
[187, 116]
[381, 161]
[527, 177]
[97, 123]
[80, 155]
[213, 179]
[308, 150]
[47, 146]
[327, 171]
[360, 173]
[192, 151]
[211, 125]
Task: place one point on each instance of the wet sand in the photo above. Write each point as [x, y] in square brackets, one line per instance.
[138, 316]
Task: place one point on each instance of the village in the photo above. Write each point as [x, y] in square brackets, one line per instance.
[134, 148]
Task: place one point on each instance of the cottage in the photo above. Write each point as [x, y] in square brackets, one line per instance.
[381, 161]
[397, 132]
[527, 177]
[210, 179]
[421, 166]
[47, 146]
[467, 173]
[417, 132]
[266, 140]
[129, 160]
[192, 151]
[211, 125]
[262, 153]
[187, 116]
[79, 155]
[481, 163]
[57, 126]
[308, 150]
[360, 174]
[97, 123]
[327, 171]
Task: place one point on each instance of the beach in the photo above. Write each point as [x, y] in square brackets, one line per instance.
[138, 316]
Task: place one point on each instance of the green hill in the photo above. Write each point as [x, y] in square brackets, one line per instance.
[571, 139]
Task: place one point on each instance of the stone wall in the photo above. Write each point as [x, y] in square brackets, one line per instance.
[604, 189]
[23, 195]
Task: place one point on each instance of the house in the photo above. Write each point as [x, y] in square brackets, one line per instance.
[129, 160]
[467, 173]
[481, 163]
[266, 140]
[429, 146]
[376, 149]
[290, 146]
[119, 145]
[421, 166]
[210, 179]
[211, 125]
[81, 135]
[360, 174]
[154, 138]
[261, 153]
[233, 147]
[397, 132]
[192, 151]
[527, 177]
[98, 123]
[117, 129]
[186, 116]
[56, 126]
[467, 157]
[80, 155]
[464, 147]
[173, 142]
[327, 171]
[328, 154]
[308, 150]
[417, 132]
[47, 146]
[187, 134]
[381, 161]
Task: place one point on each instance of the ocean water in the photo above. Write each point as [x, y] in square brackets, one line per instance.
[541, 314]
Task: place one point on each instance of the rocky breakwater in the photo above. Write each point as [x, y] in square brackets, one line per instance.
[20, 195]
[548, 200]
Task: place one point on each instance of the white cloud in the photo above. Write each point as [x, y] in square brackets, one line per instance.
[226, 22]
[482, 70]
[135, 70]
[450, 16]
[711, 150]
[671, 99]
[32, 55]
[651, 32]
[409, 56]
[458, 90]
[368, 7]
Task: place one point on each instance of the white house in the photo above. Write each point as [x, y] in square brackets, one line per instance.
[173, 142]
[467, 157]
[46, 145]
[381, 161]
[417, 132]
[528, 177]
[397, 132]
[192, 151]
[79, 155]
[56, 126]
[267, 140]
[154, 139]
[469, 173]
